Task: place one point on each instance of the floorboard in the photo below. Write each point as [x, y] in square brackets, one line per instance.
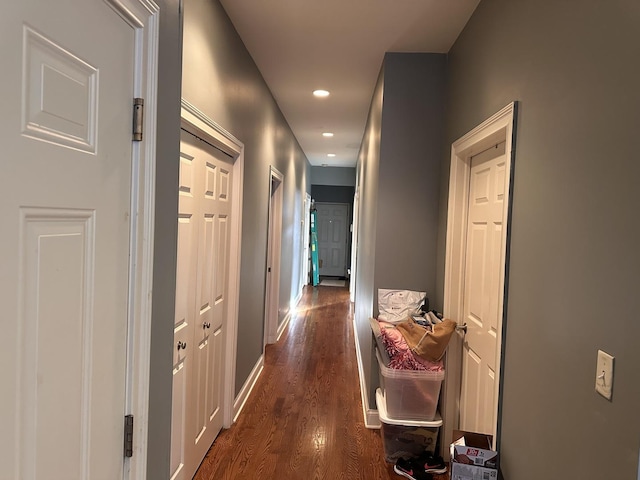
[303, 419]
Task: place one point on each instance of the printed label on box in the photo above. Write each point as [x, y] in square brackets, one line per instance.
[461, 471]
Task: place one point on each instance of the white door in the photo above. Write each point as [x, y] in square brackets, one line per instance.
[201, 301]
[186, 285]
[306, 259]
[481, 309]
[274, 246]
[333, 221]
[65, 181]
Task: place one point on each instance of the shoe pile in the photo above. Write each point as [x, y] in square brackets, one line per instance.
[420, 468]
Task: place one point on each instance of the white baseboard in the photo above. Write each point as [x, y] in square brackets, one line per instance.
[242, 397]
[283, 325]
[371, 418]
[287, 317]
[285, 321]
[296, 301]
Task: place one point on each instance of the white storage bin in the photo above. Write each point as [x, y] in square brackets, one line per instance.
[406, 438]
[410, 394]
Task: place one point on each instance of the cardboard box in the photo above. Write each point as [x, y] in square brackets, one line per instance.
[460, 471]
[472, 457]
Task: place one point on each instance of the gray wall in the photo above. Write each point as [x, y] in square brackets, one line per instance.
[165, 241]
[343, 176]
[332, 194]
[573, 280]
[400, 182]
[221, 79]
[367, 186]
[410, 153]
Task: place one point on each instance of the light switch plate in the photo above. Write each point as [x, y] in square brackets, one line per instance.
[604, 374]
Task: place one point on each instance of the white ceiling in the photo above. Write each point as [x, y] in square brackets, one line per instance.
[337, 45]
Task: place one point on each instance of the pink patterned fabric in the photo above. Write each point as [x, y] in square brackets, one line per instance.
[402, 358]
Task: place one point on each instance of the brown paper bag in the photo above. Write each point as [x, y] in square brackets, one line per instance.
[429, 345]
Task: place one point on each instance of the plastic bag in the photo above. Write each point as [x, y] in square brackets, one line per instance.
[397, 305]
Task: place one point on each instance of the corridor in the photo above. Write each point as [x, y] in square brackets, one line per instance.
[303, 419]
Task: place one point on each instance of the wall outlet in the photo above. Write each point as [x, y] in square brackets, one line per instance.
[604, 374]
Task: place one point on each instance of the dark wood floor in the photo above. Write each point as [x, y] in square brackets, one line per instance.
[303, 419]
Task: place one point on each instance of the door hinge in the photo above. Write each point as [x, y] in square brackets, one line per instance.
[128, 435]
[138, 118]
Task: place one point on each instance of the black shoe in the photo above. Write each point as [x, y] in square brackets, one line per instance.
[433, 464]
[411, 469]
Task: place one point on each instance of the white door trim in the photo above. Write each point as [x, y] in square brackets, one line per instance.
[143, 16]
[306, 212]
[500, 127]
[196, 122]
[354, 245]
[274, 245]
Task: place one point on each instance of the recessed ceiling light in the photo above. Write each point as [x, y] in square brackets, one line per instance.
[327, 134]
[331, 154]
[321, 93]
[325, 164]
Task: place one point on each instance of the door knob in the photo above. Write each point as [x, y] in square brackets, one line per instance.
[462, 328]
[206, 325]
[182, 345]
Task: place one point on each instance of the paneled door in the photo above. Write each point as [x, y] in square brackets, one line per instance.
[482, 289]
[65, 184]
[333, 225]
[201, 301]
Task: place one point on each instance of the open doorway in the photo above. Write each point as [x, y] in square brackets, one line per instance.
[305, 262]
[274, 245]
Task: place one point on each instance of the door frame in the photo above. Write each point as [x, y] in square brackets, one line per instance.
[306, 212]
[274, 247]
[143, 17]
[347, 246]
[354, 245]
[500, 127]
[199, 124]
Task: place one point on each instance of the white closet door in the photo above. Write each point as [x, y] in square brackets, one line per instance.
[205, 249]
[481, 290]
[185, 307]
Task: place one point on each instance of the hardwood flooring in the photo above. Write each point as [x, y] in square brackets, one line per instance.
[303, 419]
